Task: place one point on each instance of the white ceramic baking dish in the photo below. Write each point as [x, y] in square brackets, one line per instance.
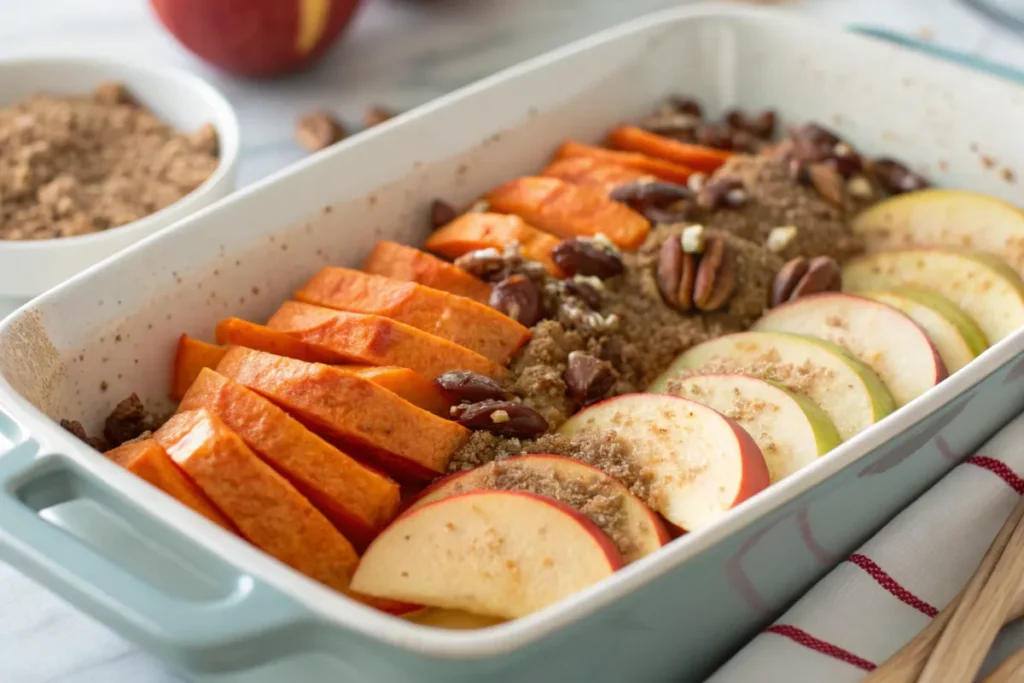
[218, 610]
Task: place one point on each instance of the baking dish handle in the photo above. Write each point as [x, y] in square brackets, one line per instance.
[249, 624]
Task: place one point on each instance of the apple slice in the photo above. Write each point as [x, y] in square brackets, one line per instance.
[987, 290]
[848, 391]
[700, 463]
[494, 553]
[790, 429]
[889, 342]
[945, 218]
[634, 527]
[453, 619]
[957, 337]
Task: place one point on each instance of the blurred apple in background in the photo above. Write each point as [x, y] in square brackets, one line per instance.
[256, 37]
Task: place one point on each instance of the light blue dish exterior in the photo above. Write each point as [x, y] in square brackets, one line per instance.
[219, 617]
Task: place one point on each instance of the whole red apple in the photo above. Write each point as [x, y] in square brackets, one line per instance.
[256, 37]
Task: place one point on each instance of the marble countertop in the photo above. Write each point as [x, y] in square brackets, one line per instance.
[399, 54]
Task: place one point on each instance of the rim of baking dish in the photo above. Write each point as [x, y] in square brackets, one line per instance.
[225, 121]
[335, 609]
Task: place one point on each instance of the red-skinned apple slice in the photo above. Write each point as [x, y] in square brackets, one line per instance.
[885, 339]
[634, 527]
[493, 553]
[702, 464]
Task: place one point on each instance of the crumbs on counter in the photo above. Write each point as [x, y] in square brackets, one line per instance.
[79, 164]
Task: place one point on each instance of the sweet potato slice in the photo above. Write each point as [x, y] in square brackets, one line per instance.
[593, 172]
[409, 384]
[268, 511]
[472, 231]
[460, 320]
[412, 265]
[633, 139]
[659, 168]
[365, 339]
[237, 332]
[568, 210]
[147, 460]
[356, 499]
[192, 356]
[356, 414]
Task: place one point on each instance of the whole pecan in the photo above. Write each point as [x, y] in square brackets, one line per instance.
[520, 299]
[803, 277]
[504, 418]
[582, 256]
[587, 377]
[469, 387]
[703, 281]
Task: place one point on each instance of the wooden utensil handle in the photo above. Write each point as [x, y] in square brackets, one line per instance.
[1011, 670]
[906, 665]
[975, 624]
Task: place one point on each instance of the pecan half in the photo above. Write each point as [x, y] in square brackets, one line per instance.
[896, 177]
[504, 418]
[441, 213]
[582, 256]
[704, 281]
[828, 183]
[723, 193]
[520, 299]
[715, 281]
[318, 130]
[470, 387]
[587, 377]
[492, 265]
[658, 201]
[803, 277]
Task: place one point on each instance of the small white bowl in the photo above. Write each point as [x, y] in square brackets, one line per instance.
[29, 268]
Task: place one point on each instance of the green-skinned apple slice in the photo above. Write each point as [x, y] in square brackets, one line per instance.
[849, 392]
[885, 339]
[790, 429]
[957, 337]
[985, 288]
[945, 218]
[700, 464]
[493, 553]
[635, 528]
[452, 619]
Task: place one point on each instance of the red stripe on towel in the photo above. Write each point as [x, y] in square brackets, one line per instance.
[802, 637]
[890, 585]
[999, 469]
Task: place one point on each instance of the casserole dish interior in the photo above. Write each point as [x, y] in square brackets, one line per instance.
[232, 613]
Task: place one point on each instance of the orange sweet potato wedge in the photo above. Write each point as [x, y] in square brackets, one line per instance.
[460, 320]
[364, 339]
[356, 499]
[147, 460]
[409, 384]
[567, 210]
[659, 168]
[593, 172]
[237, 332]
[192, 356]
[412, 265]
[633, 139]
[472, 231]
[354, 413]
[268, 511]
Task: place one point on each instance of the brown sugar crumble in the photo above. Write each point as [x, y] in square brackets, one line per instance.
[79, 164]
